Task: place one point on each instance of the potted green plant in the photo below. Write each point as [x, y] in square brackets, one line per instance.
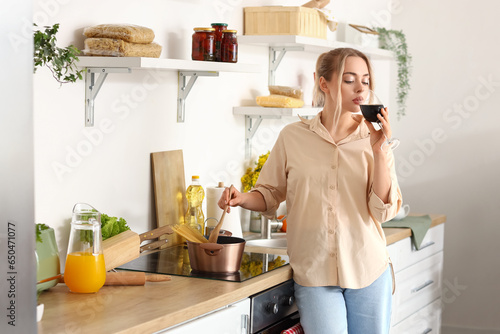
[395, 41]
[60, 61]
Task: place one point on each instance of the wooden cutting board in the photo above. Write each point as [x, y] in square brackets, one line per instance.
[169, 189]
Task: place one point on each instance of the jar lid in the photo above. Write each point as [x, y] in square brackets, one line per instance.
[203, 29]
[230, 31]
[219, 24]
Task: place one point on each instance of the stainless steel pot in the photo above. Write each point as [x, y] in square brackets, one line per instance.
[222, 257]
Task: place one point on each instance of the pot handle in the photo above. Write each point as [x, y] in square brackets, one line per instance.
[211, 249]
[225, 233]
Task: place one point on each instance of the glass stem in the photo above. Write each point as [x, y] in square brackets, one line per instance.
[383, 131]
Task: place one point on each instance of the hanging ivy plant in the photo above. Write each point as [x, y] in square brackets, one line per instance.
[60, 61]
[395, 41]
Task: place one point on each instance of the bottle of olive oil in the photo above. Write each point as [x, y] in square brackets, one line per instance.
[194, 214]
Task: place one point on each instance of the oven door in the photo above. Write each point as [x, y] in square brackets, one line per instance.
[281, 325]
[271, 307]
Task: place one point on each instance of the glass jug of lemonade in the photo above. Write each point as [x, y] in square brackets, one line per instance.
[85, 271]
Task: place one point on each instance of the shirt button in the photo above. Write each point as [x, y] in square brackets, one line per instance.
[332, 187]
[330, 231]
[333, 166]
[330, 208]
[332, 254]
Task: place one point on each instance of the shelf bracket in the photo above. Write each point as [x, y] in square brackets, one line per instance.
[250, 130]
[276, 54]
[185, 86]
[92, 87]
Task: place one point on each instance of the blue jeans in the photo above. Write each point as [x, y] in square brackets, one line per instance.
[334, 310]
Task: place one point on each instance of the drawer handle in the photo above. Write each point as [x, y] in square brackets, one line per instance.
[430, 243]
[426, 284]
[245, 320]
[427, 331]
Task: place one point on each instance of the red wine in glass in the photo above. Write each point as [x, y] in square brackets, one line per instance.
[370, 111]
[370, 108]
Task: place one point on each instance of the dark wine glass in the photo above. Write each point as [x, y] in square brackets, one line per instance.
[370, 107]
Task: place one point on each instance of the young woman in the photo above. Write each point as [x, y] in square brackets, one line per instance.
[339, 185]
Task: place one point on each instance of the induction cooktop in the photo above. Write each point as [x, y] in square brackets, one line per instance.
[175, 261]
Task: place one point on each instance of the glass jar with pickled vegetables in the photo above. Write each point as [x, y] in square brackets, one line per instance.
[203, 44]
[229, 46]
[219, 27]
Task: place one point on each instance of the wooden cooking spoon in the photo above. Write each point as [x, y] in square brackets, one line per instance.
[215, 232]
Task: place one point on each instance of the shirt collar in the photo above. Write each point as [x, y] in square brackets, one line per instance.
[317, 127]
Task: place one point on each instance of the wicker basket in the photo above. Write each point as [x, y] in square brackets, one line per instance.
[280, 20]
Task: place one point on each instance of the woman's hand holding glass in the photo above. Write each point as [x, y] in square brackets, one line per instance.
[374, 111]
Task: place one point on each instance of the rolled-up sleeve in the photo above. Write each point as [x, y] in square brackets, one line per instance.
[379, 210]
[272, 179]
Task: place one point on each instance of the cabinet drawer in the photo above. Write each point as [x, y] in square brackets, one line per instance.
[425, 321]
[417, 286]
[228, 320]
[404, 254]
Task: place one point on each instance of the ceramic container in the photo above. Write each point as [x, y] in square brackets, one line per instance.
[47, 260]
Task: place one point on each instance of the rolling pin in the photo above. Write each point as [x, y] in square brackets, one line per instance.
[122, 278]
[133, 278]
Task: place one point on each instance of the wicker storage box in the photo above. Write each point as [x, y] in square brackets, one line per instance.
[280, 20]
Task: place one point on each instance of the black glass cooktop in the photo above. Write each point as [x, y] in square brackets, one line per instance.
[175, 261]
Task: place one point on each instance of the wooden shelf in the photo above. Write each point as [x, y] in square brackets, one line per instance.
[311, 44]
[167, 64]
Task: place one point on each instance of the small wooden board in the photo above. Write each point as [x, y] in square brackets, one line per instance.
[169, 190]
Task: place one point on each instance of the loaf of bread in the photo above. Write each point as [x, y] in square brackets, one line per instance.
[279, 101]
[126, 32]
[118, 48]
[286, 91]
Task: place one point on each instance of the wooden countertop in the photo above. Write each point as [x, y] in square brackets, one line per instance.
[155, 306]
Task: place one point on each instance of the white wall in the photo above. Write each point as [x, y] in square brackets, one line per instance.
[455, 51]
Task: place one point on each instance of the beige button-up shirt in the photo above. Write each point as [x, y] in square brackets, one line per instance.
[333, 216]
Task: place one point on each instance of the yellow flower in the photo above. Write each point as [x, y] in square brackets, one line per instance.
[250, 178]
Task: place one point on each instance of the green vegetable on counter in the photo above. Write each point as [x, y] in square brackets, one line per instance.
[111, 226]
[39, 229]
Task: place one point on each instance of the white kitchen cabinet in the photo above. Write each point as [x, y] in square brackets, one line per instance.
[417, 300]
[232, 319]
[427, 320]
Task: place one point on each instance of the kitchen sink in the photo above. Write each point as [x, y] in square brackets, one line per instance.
[268, 243]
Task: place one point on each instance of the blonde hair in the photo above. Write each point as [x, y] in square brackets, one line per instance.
[330, 63]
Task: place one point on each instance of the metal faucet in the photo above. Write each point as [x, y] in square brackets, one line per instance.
[267, 225]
